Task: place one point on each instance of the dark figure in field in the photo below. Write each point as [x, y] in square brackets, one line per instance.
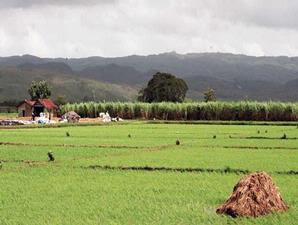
[129, 136]
[177, 142]
[51, 157]
[33, 116]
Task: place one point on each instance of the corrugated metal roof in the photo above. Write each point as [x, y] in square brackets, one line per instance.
[31, 103]
[47, 103]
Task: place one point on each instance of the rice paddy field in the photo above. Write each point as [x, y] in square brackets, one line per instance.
[134, 173]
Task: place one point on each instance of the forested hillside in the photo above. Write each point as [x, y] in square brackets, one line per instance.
[233, 77]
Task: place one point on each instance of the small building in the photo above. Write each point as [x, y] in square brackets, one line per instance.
[27, 107]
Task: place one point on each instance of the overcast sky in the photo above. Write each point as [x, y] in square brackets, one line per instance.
[80, 28]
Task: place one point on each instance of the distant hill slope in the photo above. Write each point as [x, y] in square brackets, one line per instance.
[232, 76]
[14, 83]
[58, 67]
[114, 73]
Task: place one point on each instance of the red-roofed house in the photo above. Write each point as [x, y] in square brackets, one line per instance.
[26, 108]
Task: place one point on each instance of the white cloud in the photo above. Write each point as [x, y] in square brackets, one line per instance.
[6, 4]
[253, 49]
[116, 28]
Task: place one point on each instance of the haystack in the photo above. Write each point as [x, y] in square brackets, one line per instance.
[254, 195]
[71, 117]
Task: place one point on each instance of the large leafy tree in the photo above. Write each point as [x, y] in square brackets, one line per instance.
[39, 89]
[164, 87]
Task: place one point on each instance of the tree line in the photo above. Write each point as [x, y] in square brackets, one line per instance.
[162, 87]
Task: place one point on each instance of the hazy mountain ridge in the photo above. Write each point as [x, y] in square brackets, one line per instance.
[232, 76]
[114, 73]
[14, 83]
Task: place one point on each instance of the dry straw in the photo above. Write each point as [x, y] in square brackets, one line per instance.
[254, 195]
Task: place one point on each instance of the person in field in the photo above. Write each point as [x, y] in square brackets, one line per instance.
[33, 116]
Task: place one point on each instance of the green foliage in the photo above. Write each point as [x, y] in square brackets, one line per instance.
[243, 111]
[70, 86]
[8, 115]
[39, 89]
[60, 100]
[164, 87]
[8, 109]
[209, 95]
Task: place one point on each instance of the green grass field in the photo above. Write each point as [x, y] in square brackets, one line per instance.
[103, 176]
[8, 115]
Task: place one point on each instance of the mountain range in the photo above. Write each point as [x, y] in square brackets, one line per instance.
[233, 77]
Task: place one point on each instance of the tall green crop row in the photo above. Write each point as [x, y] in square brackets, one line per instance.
[242, 110]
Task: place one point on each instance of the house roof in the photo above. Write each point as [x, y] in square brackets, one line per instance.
[31, 103]
[47, 103]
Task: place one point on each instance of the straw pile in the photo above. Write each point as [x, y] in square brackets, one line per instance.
[71, 117]
[254, 195]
